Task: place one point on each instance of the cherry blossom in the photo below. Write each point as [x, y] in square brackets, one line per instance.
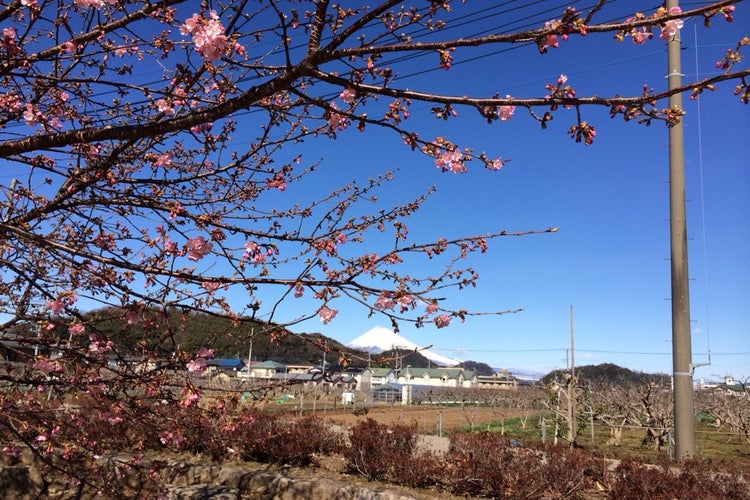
[385, 301]
[94, 3]
[56, 306]
[76, 329]
[327, 314]
[442, 321]
[506, 112]
[431, 308]
[47, 366]
[348, 95]
[208, 35]
[204, 352]
[198, 248]
[451, 160]
[197, 365]
[673, 26]
[132, 317]
[495, 164]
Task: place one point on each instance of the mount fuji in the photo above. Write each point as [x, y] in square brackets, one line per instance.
[379, 339]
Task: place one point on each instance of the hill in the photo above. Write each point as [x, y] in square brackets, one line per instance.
[606, 373]
[228, 339]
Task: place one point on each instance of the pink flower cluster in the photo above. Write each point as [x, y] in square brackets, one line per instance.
[197, 248]
[672, 27]
[256, 253]
[98, 346]
[506, 112]
[198, 365]
[442, 321]
[63, 300]
[209, 36]
[327, 314]
[94, 3]
[452, 160]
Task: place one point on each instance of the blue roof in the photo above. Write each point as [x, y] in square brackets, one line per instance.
[225, 363]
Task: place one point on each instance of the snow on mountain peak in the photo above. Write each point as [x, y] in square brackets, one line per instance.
[379, 339]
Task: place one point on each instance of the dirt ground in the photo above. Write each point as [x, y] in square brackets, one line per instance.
[427, 419]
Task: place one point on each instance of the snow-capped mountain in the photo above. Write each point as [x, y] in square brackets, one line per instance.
[379, 339]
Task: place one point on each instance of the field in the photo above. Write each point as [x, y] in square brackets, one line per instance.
[710, 442]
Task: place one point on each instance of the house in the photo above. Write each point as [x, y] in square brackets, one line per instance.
[228, 366]
[264, 369]
[436, 377]
[730, 387]
[499, 380]
[380, 376]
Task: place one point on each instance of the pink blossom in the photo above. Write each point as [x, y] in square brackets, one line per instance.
[47, 366]
[431, 308]
[11, 451]
[727, 13]
[405, 301]
[28, 3]
[640, 37]
[299, 291]
[210, 286]
[327, 314]
[385, 301]
[98, 346]
[163, 160]
[198, 248]
[506, 112]
[30, 116]
[550, 40]
[94, 3]
[190, 398]
[208, 35]
[56, 306]
[336, 121]
[496, 164]
[672, 27]
[197, 365]
[167, 437]
[133, 317]
[164, 107]
[76, 329]
[451, 160]
[278, 181]
[348, 95]
[204, 352]
[202, 127]
[442, 321]
[69, 47]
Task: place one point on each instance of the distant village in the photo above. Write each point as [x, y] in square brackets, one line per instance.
[382, 384]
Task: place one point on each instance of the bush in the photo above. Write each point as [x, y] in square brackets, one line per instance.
[388, 453]
[485, 464]
[691, 479]
[275, 438]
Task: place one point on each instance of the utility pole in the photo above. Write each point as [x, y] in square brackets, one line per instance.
[684, 417]
[572, 386]
[250, 353]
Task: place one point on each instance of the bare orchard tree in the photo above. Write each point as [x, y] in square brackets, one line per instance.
[729, 407]
[622, 405]
[148, 150]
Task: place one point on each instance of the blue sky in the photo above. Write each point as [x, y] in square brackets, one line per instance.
[609, 259]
